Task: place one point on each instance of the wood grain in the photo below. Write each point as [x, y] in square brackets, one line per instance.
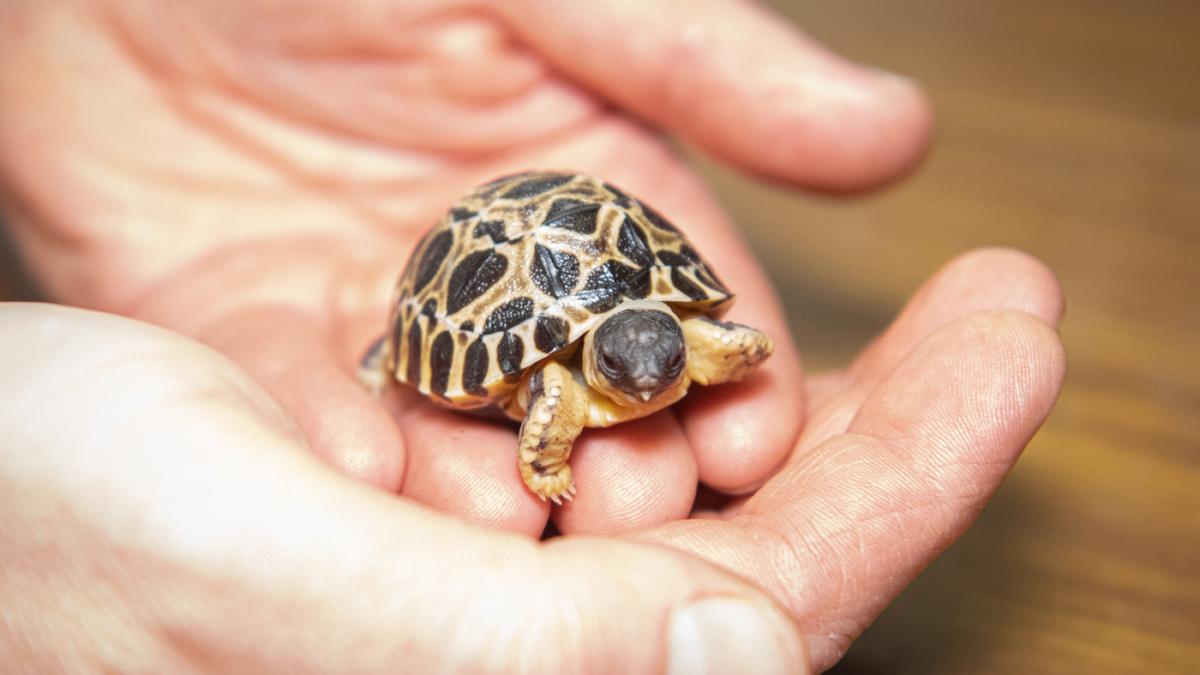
[1071, 130]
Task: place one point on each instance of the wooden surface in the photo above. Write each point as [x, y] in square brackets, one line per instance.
[1070, 129]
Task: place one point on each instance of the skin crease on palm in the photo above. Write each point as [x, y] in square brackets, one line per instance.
[253, 175]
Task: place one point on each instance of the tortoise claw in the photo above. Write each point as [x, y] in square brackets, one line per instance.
[556, 500]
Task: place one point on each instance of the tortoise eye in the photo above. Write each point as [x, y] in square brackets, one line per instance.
[675, 364]
[608, 365]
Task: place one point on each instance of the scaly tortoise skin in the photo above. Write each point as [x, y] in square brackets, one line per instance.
[501, 299]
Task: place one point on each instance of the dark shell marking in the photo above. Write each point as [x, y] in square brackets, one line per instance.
[475, 368]
[631, 242]
[551, 334]
[554, 272]
[441, 358]
[520, 269]
[510, 354]
[493, 229]
[611, 283]
[536, 185]
[473, 277]
[432, 259]
[572, 214]
[508, 315]
[414, 351]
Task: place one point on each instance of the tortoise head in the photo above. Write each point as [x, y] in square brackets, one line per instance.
[637, 356]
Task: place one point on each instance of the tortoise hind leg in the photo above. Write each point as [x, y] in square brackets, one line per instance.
[554, 418]
[719, 351]
[372, 371]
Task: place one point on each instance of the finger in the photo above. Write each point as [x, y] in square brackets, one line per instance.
[739, 82]
[838, 534]
[291, 356]
[468, 468]
[990, 279]
[634, 475]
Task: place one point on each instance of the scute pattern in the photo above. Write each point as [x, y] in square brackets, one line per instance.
[521, 268]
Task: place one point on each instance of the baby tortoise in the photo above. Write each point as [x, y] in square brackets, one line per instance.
[565, 303]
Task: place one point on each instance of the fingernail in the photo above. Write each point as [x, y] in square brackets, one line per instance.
[730, 635]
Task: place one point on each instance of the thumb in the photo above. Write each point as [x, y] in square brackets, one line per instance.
[649, 607]
[451, 597]
[349, 579]
[739, 82]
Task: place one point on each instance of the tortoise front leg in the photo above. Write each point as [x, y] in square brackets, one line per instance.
[719, 351]
[554, 418]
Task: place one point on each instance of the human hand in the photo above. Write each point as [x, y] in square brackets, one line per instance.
[160, 513]
[184, 516]
[255, 173]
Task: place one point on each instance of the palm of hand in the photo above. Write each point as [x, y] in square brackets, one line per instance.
[307, 176]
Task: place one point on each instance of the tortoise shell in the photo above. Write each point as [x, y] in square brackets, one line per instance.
[520, 269]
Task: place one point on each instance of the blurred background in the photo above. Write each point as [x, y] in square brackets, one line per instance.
[1069, 129]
